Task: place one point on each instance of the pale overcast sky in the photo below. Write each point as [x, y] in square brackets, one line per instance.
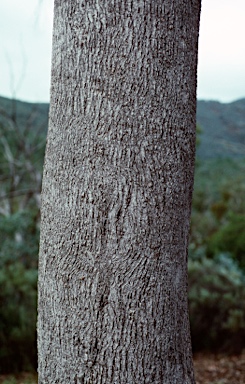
[25, 49]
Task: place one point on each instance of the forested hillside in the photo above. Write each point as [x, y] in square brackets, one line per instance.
[24, 114]
[217, 237]
[223, 129]
[222, 125]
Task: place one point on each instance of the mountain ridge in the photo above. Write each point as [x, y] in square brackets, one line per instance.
[223, 129]
[222, 124]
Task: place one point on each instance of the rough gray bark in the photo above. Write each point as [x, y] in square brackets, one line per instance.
[116, 195]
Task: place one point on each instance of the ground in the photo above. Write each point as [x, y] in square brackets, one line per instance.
[213, 369]
[209, 369]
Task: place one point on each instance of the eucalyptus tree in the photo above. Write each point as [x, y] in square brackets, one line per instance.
[117, 189]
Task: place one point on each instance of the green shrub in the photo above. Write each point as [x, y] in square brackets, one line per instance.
[17, 318]
[218, 197]
[230, 238]
[19, 236]
[216, 300]
[10, 380]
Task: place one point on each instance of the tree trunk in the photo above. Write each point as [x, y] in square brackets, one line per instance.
[116, 195]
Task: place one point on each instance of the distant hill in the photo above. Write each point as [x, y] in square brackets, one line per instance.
[222, 125]
[24, 114]
[223, 129]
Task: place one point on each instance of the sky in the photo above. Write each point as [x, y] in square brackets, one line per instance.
[26, 43]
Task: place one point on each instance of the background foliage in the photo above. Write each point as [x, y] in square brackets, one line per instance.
[22, 143]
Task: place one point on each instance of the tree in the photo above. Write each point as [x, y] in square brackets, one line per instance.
[116, 193]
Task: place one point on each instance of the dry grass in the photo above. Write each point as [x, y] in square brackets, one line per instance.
[213, 369]
[23, 378]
